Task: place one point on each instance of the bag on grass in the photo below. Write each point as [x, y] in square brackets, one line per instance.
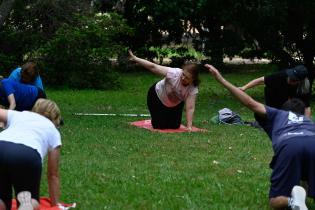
[227, 116]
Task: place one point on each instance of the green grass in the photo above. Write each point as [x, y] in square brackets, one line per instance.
[108, 164]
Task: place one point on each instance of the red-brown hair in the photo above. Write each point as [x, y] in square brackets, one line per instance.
[193, 69]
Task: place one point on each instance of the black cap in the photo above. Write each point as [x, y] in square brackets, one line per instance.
[297, 73]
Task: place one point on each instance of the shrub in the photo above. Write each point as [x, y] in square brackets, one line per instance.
[79, 54]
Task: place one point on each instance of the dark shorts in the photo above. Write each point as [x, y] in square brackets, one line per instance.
[294, 161]
[20, 168]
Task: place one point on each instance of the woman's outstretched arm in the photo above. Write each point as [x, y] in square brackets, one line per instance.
[240, 95]
[153, 67]
[253, 83]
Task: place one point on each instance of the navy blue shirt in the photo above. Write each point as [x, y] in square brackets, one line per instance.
[25, 95]
[282, 125]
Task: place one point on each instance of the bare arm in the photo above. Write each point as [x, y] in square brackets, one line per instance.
[153, 67]
[53, 175]
[3, 115]
[253, 83]
[190, 109]
[12, 103]
[240, 95]
[308, 112]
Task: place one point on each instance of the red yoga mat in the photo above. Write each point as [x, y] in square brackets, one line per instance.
[147, 125]
[45, 204]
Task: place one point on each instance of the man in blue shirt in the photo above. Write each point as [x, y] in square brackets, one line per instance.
[293, 141]
[18, 96]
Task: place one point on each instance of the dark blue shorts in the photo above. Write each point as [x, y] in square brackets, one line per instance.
[20, 168]
[294, 161]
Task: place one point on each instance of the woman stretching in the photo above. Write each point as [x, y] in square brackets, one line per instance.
[28, 137]
[167, 97]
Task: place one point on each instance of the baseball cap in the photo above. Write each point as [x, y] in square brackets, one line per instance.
[298, 72]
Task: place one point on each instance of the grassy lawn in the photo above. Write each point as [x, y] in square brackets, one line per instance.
[109, 164]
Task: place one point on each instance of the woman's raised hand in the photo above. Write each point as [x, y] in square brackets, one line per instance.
[131, 55]
[215, 72]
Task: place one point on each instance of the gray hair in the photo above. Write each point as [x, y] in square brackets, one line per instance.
[304, 87]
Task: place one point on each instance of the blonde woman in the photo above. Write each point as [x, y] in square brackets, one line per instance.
[28, 137]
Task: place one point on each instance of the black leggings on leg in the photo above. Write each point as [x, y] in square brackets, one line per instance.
[163, 117]
[20, 168]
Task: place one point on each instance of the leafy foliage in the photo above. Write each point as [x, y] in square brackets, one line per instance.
[280, 29]
[284, 30]
[79, 55]
[32, 23]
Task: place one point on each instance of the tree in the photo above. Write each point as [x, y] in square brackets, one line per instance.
[284, 28]
[5, 9]
[79, 54]
[31, 23]
[159, 22]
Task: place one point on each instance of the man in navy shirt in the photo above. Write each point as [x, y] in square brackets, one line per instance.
[293, 141]
[18, 96]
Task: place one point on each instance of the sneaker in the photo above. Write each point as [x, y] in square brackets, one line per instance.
[25, 199]
[298, 196]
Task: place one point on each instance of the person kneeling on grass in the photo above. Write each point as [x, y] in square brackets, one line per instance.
[27, 74]
[292, 135]
[284, 85]
[18, 96]
[166, 98]
[27, 138]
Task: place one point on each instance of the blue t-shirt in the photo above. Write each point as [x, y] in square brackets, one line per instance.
[282, 125]
[25, 95]
[16, 76]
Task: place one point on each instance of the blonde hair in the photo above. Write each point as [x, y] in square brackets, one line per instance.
[48, 109]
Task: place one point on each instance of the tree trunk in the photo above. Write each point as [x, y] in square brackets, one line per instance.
[215, 46]
[5, 9]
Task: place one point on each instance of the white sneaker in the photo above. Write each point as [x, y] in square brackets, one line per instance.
[298, 196]
[25, 199]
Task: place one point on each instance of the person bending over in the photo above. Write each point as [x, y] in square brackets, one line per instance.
[166, 98]
[18, 96]
[292, 135]
[27, 74]
[28, 137]
[283, 85]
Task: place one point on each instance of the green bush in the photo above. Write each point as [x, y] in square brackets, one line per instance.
[79, 55]
[6, 64]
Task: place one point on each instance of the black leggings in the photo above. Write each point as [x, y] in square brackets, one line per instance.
[20, 168]
[163, 117]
